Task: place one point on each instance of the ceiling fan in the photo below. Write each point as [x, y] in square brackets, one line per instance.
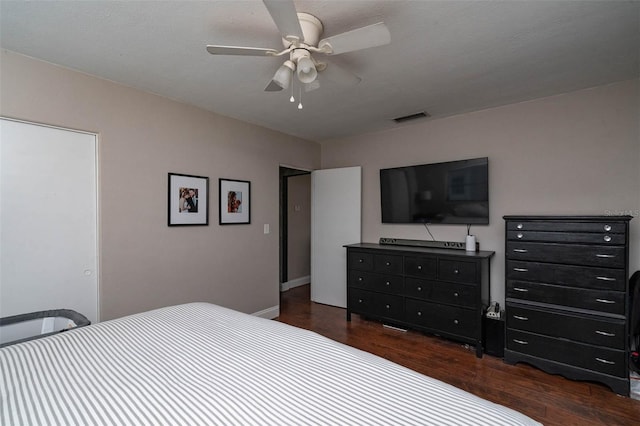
[301, 40]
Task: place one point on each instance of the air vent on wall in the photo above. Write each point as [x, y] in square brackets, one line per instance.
[410, 117]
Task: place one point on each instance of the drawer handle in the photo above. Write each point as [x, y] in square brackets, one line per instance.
[419, 288]
[419, 313]
[610, 302]
[360, 300]
[519, 236]
[518, 317]
[604, 361]
[360, 278]
[606, 256]
[456, 272]
[387, 263]
[521, 290]
[419, 267]
[605, 279]
[360, 260]
[604, 333]
[519, 226]
[387, 306]
[521, 269]
[607, 238]
[388, 283]
[520, 250]
[455, 294]
[607, 228]
[455, 321]
[522, 342]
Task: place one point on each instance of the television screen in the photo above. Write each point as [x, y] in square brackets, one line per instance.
[455, 192]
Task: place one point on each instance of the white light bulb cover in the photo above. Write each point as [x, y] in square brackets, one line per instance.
[306, 70]
[282, 77]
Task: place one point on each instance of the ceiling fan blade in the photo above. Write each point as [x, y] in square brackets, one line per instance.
[272, 87]
[285, 16]
[360, 38]
[340, 76]
[238, 50]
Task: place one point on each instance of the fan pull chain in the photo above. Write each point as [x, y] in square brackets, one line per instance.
[292, 99]
[300, 104]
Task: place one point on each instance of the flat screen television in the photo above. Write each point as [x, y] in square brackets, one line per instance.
[455, 192]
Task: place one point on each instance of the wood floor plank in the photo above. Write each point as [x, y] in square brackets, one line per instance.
[550, 399]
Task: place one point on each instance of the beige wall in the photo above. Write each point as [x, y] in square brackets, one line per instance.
[144, 263]
[575, 153]
[299, 229]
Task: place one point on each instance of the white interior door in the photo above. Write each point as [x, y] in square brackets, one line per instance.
[48, 220]
[335, 221]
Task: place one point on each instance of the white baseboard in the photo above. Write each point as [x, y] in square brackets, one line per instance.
[296, 283]
[269, 313]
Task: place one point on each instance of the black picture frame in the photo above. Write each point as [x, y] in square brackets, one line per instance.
[234, 201]
[188, 200]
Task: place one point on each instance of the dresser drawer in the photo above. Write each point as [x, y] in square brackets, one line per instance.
[452, 294]
[377, 282]
[421, 267]
[447, 319]
[581, 328]
[595, 358]
[575, 254]
[575, 276]
[457, 271]
[568, 237]
[389, 264]
[609, 302]
[379, 305]
[567, 226]
[360, 260]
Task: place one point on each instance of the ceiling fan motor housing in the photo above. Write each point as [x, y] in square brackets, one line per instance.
[311, 30]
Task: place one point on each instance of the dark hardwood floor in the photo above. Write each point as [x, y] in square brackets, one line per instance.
[550, 399]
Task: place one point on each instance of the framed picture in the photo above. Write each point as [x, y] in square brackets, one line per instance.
[188, 200]
[235, 202]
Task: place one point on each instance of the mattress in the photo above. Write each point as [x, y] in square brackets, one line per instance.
[201, 364]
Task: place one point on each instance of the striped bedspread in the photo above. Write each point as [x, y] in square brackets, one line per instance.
[201, 364]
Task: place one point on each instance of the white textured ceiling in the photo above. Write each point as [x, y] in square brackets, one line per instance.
[445, 57]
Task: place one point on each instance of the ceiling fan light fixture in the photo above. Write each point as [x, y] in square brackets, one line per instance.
[307, 72]
[282, 77]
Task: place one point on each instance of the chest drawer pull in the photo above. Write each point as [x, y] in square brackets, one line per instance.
[360, 260]
[604, 333]
[607, 238]
[387, 306]
[387, 283]
[419, 288]
[456, 272]
[518, 317]
[521, 269]
[419, 313]
[456, 321]
[519, 226]
[519, 235]
[521, 290]
[521, 250]
[388, 263]
[605, 361]
[522, 342]
[360, 279]
[610, 302]
[455, 294]
[360, 300]
[607, 228]
[605, 279]
[606, 256]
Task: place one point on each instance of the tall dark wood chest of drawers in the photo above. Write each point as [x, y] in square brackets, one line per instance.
[440, 291]
[567, 291]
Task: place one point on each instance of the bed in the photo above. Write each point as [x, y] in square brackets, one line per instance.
[202, 364]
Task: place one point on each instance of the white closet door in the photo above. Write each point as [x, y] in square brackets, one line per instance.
[335, 221]
[48, 220]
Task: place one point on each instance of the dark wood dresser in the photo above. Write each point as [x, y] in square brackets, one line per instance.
[567, 296]
[440, 291]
